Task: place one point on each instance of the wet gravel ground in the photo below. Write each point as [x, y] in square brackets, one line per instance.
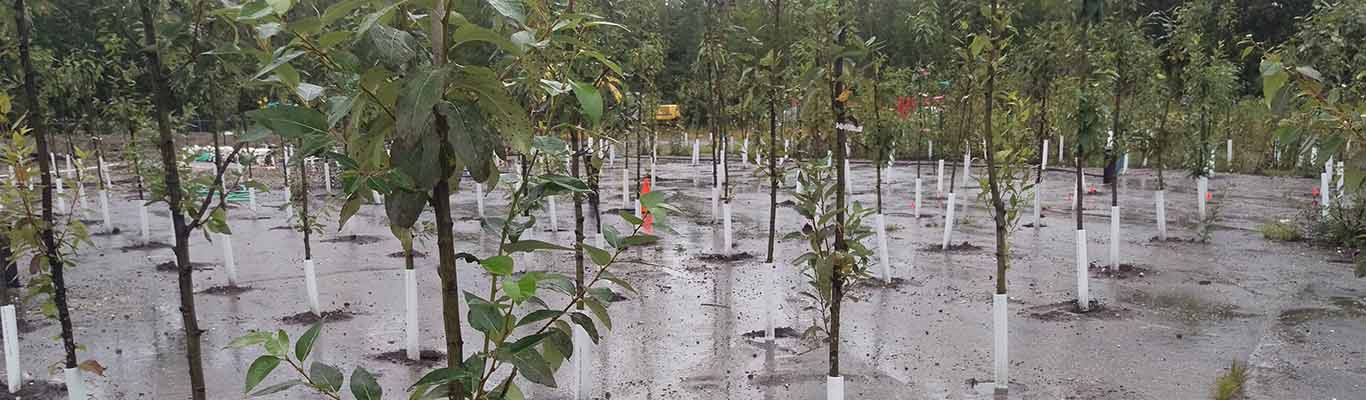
[1167, 333]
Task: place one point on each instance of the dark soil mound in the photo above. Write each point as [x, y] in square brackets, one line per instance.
[965, 246]
[360, 240]
[426, 359]
[170, 266]
[1125, 271]
[726, 257]
[308, 317]
[148, 246]
[103, 232]
[35, 390]
[778, 332]
[1068, 311]
[416, 254]
[227, 290]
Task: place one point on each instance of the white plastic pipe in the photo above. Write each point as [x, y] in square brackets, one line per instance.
[108, 180]
[583, 349]
[930, 155]
[229, 260]
[715, 203]
[729, 235]
[834, 388]
[1202, 185]
[939, 178]
[410, 317]
[327, 176]
[75, 387]
[625, 189]
[70, 173]
[1062, 149]
[882, 248]
[143, 224]
[12, 370]
[61, 196]
[311, 284]
[1342, 178]
[654, 182]
[948, 220]
[1124, 166]
[967, 169]
[1228, 156]
[1160, 197]
[104, 211]
[771, 304]
[82, 201]
[611, 155]
[1001, 334]
[1083, 276]
[916, 206]
[1045, 154]
[251, 199]
[1114, 237]
[1323, 192]
[696, 151]
[1038, 209]
[479, 198]
[554, 219]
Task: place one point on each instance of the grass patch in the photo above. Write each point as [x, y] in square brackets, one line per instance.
[1280, 231]
[1229, 386]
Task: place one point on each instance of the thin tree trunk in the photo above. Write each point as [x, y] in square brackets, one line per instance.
[1002, 242]
[445, 232]
[185, 278]
[303, 205]
[841, 137]
[773, 138]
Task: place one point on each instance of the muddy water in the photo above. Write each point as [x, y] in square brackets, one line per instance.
[1284, 308]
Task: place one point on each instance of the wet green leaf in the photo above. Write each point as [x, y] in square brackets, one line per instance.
[258, 371]
[276, 388]
[364, 386]
[599, 256]
[498, 265]
[305, 344]
[590, 101]
[600, 311]
[250, 339]
[586, 323]
[532, 366]
[327, 377]
[533, 245]
[538, 315]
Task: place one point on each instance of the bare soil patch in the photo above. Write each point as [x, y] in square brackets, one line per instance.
[308, 317]
[426, 358]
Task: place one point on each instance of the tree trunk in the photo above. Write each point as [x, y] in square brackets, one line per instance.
[997, 203]
[303, 205]
[185, 275]
[841, 137]
[445, 232]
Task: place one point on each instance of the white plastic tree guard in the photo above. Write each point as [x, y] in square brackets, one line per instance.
[410, 319]
[327, 176]
[583, 351]
[939, 178]
[1000, 350]
[1044, 160]
[311, 285]
[229, 260]
[479, 198]
[715, 203]
[1114, 237]
[696, 151]
[882, 248]
[948, 221]
[916, 205]
[1160, 197]
[251, 199]
[728, 234]
[1083, 277]
[1062, 148]
[625, 189]
[61, 196]
[1202, 186]
[611, 155]
[1323, 192]
[75, 385]
[554, 219]
[104, 211]
[14, 374]
[108, 180]
[834, 388]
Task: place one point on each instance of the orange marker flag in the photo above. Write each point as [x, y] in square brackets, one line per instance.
[649, 220]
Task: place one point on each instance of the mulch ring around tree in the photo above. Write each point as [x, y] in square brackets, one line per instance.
[148, 246]
[226, 290]
[426, 358]
[781, 332]
[1173, 239]
[308, 317]
[880, 283]
[35, 390]
[1125, 271]
[965, 246]
[733, 257]
[359, 240]
[1066, 311]
[107, 232]
[416, 254]
[170, 266]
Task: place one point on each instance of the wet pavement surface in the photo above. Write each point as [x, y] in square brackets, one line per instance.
[1297, 319]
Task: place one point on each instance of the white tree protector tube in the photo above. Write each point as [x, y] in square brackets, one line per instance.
[70, 173]
[61, 195]
[1323, 192]
[251, 199]
[882, 248]
[104, 211]
[12, 371]
[108, 179]
[327, 176]
[891, 167]
[625, 189]
[930, 155]
[939, 178]
[1228, 154]
[1114, 237]
[1160, 197]
[554, 219]
[1342, 178]
[1045, 155]
[654, 182]
[75, 386]
[410, 317]
[82, 201]
[479, 198]
[1202, 186]
[229, 260]
[715, 203]
[848, 178]
[771, 304]
[611, 155]
[583, 350]
[143, 224]
[1001, 334]
[1062, 149]
[311, 284]
[967, 169]
[729, 235]
[948, 220]
[834, 388]
[744, 156]
[916, 206]
[1083, 277]
[1038, 209]
[696, 151]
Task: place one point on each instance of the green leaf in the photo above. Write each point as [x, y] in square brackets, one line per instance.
[590, 101]
[276, 388]
[259, 369]
[340, 10]
[1273, 78]
[1310, 72]
[328, 377]
[439, 376]
[374, 17]
[513, 9]
[538, 315]
[652, 200]
[305, 344]
[363, 385]
[532, 245]
[403, 207]
[521, 289]
[250, 339]
[470, 33]
[291, 122]
[280, 6]
[254, 10]
[487, 319]
[276, 63]
[586, 323]
[600, 311]
[612, 236]
[349, 209]
[498, 265]
[532, 366]
[600, 257]
[472, 137]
